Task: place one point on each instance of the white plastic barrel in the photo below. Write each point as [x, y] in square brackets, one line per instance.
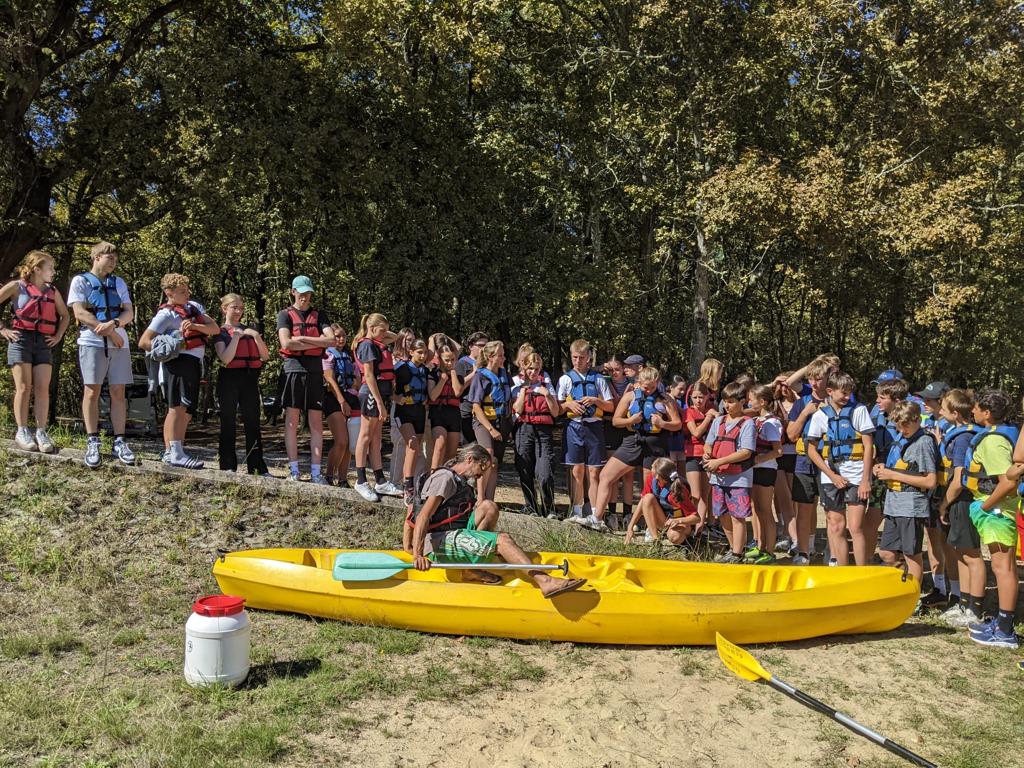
[217, 641]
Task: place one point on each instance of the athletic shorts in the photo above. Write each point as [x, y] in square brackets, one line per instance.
[677, 444]
[734, 501]
[694, 464]
[369, 407]
[110, 364]
[30, 348]
[462, 545]
[835, 499]
[353, 402]
[903, 534]
[181, 382]
[415, 415]
[641, 450]
[765, 478]
[805, 488]
[962, 533]
[584, 443]
[995, 529]
[613, 437]
[445, 417]
[787, 463]
[496, 447]
[331, 404]
[304, 391]
[934, 518]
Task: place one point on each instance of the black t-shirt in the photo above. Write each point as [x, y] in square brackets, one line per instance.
[463, 368]
[304, 363]
[368, 352]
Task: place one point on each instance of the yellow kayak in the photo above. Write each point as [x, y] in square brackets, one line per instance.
[625, 601]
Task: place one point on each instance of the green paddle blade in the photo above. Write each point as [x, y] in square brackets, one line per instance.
[739, 661]
[367, 566]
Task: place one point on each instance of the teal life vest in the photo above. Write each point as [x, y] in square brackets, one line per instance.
[496, 402]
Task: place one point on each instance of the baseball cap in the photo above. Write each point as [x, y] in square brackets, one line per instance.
[302, 284]
[634, 360]
[934, 391]
[889, 375]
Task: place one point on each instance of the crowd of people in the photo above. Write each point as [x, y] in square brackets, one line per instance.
[742, 461]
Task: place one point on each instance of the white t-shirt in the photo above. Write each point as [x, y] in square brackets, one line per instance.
[78, 293]
[861, 420]
[167, 320]
[604, 392]
[770, 431]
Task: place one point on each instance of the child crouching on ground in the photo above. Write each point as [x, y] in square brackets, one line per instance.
[665, 505]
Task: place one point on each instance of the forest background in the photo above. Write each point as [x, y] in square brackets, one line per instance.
[757, 181]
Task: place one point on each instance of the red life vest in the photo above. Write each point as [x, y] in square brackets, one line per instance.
[447, 394]
[763, 446]
[247, 354]
[726, 443]
[193, 339]
[384, 370]
[694, 445]
[40, 311]
[300, 327]
[535, 408]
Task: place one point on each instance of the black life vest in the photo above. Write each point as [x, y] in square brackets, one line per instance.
[454, 513]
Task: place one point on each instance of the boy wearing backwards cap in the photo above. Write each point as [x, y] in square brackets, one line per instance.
[305, 333]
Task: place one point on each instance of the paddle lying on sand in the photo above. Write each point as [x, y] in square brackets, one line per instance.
[747, 667]
[376, 566]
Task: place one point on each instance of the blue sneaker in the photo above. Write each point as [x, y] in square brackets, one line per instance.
[983, 627]
[996, 639]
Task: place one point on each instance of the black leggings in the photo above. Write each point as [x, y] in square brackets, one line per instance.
[534, 451]
[240, 388]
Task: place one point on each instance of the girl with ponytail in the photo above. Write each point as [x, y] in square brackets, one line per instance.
[665, 505]
[377, 368]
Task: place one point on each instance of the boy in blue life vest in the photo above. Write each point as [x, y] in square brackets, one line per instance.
[890, 388]
[940, 555]
[910, 471]
[989, 478]
[584, 396]
[729, 458]
[845, 433]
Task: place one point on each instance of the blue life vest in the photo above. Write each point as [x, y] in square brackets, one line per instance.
[801, 443]
[584, 386]
[413, 392]
[965, 431]
[495, 404]
[648, 406]
[841, 441]
[103, 299]
[344, 368]
[894, 459]
[975, 477]
[662, 493]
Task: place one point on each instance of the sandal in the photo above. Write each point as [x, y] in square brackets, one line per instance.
[477, 576]
[570, 585]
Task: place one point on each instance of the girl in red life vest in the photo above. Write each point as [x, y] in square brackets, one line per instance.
[341, 406]
[665, 505]
[443, 403]
[534, 403]
[40, 319]
[699, 416]
[377, 367]
[785, 399]
[243, 352]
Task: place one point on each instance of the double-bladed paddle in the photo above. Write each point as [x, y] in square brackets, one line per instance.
[377, 566]
[747, 667]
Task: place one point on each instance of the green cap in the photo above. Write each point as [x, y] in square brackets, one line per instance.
[302, 284]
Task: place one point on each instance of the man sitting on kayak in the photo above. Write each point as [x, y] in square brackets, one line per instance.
[449, 523]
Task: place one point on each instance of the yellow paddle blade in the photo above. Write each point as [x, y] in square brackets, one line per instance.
[739, 661]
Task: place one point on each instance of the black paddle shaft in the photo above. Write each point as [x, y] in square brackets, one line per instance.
[849, 722]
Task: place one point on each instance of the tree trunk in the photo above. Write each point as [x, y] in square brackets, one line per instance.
[701, 294]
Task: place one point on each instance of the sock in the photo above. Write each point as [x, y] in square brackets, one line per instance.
[940, 582]
[1004, 622]
[94, 436]
[577, 510]
[627, 510]
[177, 450]
[954, 589]
[613, 509]
[378, 475]
[974, 605]
[293, 467]
[314, 470]
[361, 475]
[407, 483]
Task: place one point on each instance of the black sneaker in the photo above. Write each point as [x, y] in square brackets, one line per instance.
[933, 598]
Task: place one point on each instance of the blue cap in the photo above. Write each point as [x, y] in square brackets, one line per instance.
[302, 284]
[890, 375]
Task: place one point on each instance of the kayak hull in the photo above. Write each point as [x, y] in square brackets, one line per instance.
[626, 601]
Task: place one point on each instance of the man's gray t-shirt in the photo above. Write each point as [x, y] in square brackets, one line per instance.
[920, 458]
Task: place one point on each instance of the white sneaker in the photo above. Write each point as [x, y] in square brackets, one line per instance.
[319, 480]
[364, 490]
[123, 453]
[800, 560]
[92, 454]
[24, 439]
[294, 477]
[594, 524]
[44, 442]
[648, 539]
[956, 616]
[388, 488]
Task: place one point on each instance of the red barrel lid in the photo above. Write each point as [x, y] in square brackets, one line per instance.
[218, 605]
